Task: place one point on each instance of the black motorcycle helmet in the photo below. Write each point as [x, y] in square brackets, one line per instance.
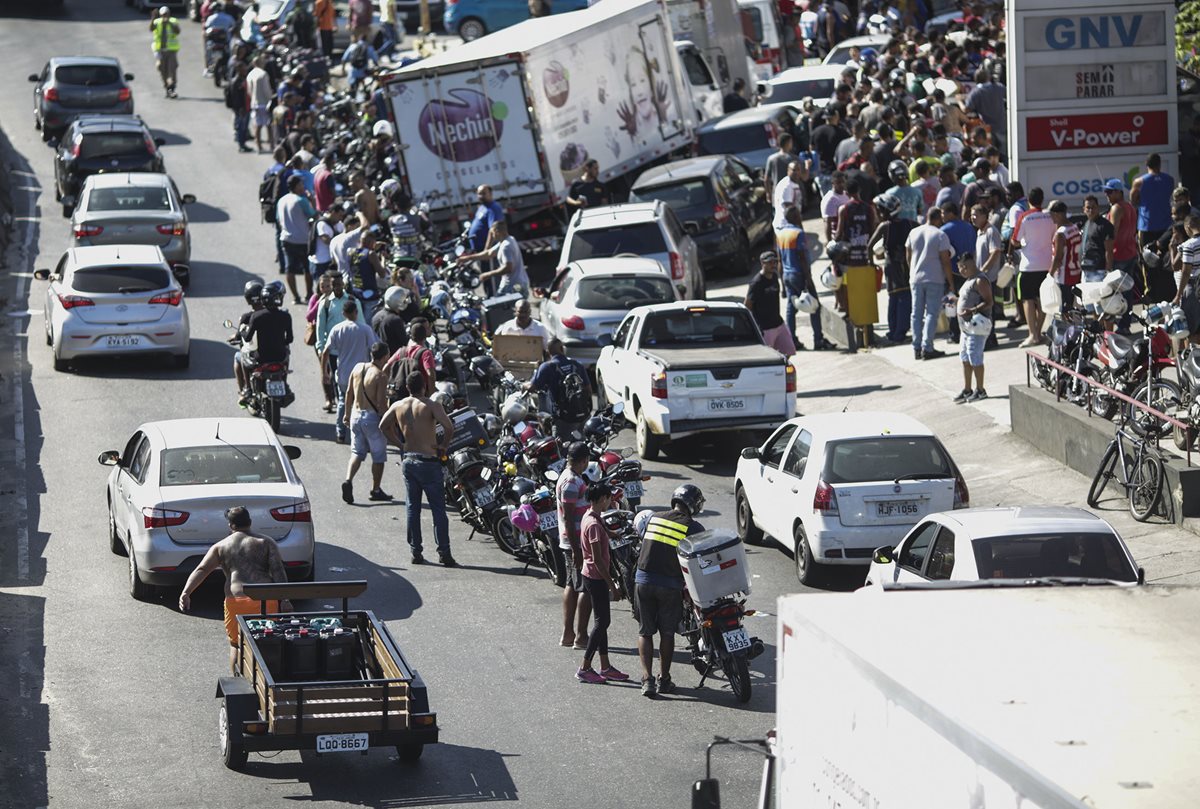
[595, 429]
[521, 487]
[272, 295]
[253, 293]
[689, 499]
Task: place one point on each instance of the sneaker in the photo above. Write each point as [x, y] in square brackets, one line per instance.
[418, 558]
[348, 491]
[952, 338]
[932, 353]
[611, 673]
[648, 688]
[379, 494]
[918, 354]
[978, 396]
[588, 676]
[825, 345]
[244, 148]
[665, 685]
[799, 346]
[244, 398]
[447, 560]
[964, 396]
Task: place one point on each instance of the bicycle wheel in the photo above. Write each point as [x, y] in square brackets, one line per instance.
[1145, 486]
[1108, 463]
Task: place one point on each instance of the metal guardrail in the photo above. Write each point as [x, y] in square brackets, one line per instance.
[1092, 385]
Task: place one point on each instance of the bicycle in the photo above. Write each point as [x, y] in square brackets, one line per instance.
[1141, 474]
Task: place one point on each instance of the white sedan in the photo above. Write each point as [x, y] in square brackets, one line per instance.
[1020, 542]
[834, 487]
[114, 299]
[170, 488]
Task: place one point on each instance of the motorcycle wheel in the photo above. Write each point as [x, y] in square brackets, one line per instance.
[1104, 405]
[628, 576]
[271, 412]
[1164, 396]
[737, 671]
[505, 534]
[1183, 438]
[553, 560]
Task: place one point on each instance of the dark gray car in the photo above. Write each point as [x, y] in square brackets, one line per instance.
[70, 86]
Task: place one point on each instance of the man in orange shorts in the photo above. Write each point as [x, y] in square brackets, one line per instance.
[246, 558]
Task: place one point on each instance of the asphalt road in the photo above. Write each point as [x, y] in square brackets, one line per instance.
[114, 705]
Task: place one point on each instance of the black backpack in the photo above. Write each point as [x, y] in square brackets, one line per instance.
[576, 405]
[398, 375]
[269, 192]
[359, 60]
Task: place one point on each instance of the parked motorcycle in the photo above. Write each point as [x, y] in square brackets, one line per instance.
[527, 525]
[1133, 365]
[717, 640]
[1188, 410]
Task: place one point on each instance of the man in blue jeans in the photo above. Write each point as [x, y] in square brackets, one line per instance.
[797, 276]
[927, 252]
[412, 424]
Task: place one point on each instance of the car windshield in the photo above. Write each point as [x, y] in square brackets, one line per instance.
[735, 140]
[1075, 555]
[112, 144]
[623, 292]
[120, 279]
[798, 90]
[129, 198]
[697, 71]
[866, 460]
[700, 325]
[679, 196]
[640, 240]
[248, 463]
[87, 75]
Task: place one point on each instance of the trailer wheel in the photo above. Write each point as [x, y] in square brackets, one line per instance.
[232, 750]
[409, 752]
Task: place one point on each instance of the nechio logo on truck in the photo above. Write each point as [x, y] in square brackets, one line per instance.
[463, 127]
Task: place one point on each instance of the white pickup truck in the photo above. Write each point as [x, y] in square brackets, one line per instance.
[692, 366]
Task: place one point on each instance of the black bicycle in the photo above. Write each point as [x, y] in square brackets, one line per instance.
[1141, 474]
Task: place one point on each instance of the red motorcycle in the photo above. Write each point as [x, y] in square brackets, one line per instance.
[1134, 365]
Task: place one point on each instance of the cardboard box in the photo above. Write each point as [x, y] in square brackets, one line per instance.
[518, 353]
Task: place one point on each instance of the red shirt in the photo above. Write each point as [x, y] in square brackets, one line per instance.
[593, 541]
[323, 188]
[428, 365]
[1125, 243]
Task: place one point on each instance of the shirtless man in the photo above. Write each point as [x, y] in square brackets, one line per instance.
[364, 199]
[411, 424]
[246, 558]
[366, 394]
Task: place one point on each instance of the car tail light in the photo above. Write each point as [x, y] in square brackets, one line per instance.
[162, 517]
[124, 94]
[720, 213]
[172, 298]
[72, 301]
[676, 266]
[177, 229]
[791, 378]
[824, 501]
[962, 497]
[149, 141]
[299, 512]
[51, 94]
[573, 322]
[658, 386]
[84, 231]
[76, 148]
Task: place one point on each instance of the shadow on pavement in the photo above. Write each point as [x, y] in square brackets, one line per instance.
[202, 213]
[216, 278]
[171, 138]
[860, 390]
[211, 359]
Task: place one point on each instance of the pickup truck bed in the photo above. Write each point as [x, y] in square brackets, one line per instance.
[680, 359]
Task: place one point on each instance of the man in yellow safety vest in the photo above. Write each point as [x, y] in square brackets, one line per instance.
[659, 581]
[165, 44]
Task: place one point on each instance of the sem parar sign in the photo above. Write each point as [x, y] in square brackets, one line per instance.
[1095, 31]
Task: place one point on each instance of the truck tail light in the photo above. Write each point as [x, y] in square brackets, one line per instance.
[176, 229]
[573, 322]
[72, 301]
[299, 512]
[86, 231]
[51, 94]
[172, 298]
[676, 266]
[720, 213]
[824, 501]
[124, 94]
[658, 386]
[791, 378]
[962, 497]
[162, 517]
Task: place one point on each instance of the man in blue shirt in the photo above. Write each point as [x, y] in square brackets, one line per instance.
[1151, 195]
[797, 276]
[962, 243]
[569, 415]
[487, 213]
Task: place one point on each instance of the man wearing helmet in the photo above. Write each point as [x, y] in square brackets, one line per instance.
[270, 327]
[660, 585]
[387, 323]
[893, 233]
[253, 295]
[569, 491]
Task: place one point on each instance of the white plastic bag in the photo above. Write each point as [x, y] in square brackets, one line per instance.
[1051, 295]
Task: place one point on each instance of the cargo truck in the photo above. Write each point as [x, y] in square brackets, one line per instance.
[1039, 697]
[711, 44]
[523, 110]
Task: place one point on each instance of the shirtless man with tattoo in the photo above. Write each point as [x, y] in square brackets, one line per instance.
[411, 424]
[246, 558]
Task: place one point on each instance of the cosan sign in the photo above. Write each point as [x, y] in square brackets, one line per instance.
[1114, 130]
[1072, 180]
[1095, 31]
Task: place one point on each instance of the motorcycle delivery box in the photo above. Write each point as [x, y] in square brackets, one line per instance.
[714, 566]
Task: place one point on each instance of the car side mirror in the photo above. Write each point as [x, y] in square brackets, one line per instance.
[227, 323]
[883, 555]
[292, 451]
[188, 199]
[42, 274]
[109, 457]
[605, 339]
[706, 794]
[160, 141]
[33, 77]
[750, 453]
[1141, 575]
[128, 77]
[691, 228]
[762, 89]
[68, 205]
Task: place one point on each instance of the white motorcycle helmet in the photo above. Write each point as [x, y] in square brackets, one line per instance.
[396, 299]
[514, 409]
[592, 473]
[640, 519]
[1178, 327]
[978, 325]
[1115, 305]
[1118, 281]
[389, 186]
[950, 305]
[806, 303]
[830, 279]
[383, 128]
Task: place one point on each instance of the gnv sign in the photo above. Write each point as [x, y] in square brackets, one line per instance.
[1095, 31]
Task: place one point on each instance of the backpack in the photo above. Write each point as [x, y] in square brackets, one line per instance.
[359, 60]
[576, 404]
[398, 375]
[269, 192]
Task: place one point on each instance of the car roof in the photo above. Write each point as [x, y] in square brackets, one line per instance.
[866, 40]
[679, 306]
[203, 432]
[615, 265]
[688, 169]
[807, 73]
[754, 115]
[859, 424]
[118, 254]
[118, 179]
[67, 61]
[626, 213]
[110, 123]
[1005, 520]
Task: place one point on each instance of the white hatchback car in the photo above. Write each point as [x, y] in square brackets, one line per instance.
[1016, 542]
[834, 487]
[169, 489]
[592, 296]
[114, 299]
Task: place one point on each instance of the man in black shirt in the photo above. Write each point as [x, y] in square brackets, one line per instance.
[735, 100]
[387, 323]
[271, 329]
[762, 299]
[1096, 249]
[825, 140]
[588, 191]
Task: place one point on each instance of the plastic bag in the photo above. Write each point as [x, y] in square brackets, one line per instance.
[1051, 295]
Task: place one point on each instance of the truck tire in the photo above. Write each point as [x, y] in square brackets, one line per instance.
[807, 568]
[648, 444]
[409, 753]
[232, 751]
[747, 531]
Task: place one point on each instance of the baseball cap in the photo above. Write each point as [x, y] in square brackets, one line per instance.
[1113, 184]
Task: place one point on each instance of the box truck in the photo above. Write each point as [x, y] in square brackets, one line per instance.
[524, 109]
[1050, 697]
[711, 44]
